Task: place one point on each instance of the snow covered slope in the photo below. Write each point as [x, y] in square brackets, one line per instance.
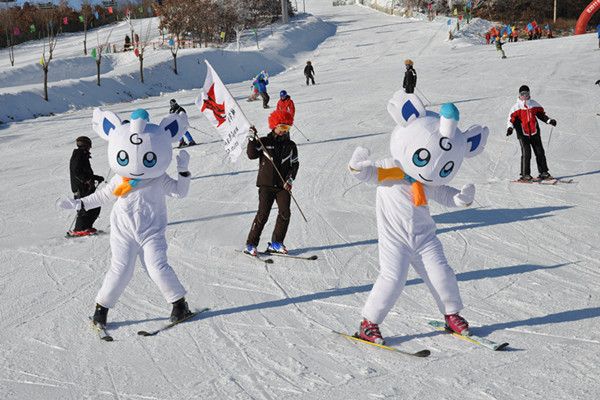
[526, 256]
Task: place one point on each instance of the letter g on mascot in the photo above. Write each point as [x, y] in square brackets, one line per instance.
[427, 150]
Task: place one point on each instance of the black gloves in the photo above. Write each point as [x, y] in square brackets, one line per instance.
[99, 179]
[552, 122]
[509, 131]
[252, 133]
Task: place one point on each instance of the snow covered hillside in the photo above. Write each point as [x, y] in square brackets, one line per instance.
[526, 256]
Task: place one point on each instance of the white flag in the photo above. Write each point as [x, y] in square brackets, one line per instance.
[224, 113]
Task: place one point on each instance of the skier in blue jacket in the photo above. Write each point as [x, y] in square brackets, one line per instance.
[263, 81]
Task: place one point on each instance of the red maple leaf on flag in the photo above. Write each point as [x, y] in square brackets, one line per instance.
[211, 103]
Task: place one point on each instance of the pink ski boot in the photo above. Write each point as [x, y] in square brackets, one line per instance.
[369, 331]
[458, 324]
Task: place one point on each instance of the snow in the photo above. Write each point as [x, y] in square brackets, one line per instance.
[526, 256]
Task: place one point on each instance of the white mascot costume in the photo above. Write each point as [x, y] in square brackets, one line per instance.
[427, 150]
[139, 153]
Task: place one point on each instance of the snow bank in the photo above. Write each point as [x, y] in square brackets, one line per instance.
[72, 78]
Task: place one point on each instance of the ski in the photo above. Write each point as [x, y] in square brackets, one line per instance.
[309, 258]
[101, 331]
[420, 354]
[552, 181]
[441, 326]
[258, 257]
[172, 324]
[68, 235]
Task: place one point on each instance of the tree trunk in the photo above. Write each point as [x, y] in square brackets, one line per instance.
[141, 68]
[11, 54]
[84, 44]
[98, 71]
[45, 82]
[175, 63]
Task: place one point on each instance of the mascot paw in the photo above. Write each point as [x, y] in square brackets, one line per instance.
[183, 160]
[466, 196]
[359, 159]
[68, 204]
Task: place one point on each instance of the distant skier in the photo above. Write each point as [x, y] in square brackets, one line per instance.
[283, 152]
[598, 31]
[254, 88]
[177, 109]
[83, 183]
[127, 45]
[286, 103]
[522, 118]
[261, 82]
[309, 73]
[499, 44]
[410, 77]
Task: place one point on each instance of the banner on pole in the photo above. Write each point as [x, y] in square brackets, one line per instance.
[224, 113]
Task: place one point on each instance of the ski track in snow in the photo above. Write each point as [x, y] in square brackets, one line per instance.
[525, 256]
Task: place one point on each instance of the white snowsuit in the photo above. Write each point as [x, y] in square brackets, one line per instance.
[407, 237]
[138, 222]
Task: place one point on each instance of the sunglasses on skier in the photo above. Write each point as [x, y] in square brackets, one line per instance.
[284, 127]
[524, 95]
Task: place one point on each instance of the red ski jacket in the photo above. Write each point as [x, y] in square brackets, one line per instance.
[287, 105]
[523, 117]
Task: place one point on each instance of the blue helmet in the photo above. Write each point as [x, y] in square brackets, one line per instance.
[283, 94]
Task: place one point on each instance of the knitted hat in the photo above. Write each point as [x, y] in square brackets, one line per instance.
[279, 117]
[83, 141]
[524, 88]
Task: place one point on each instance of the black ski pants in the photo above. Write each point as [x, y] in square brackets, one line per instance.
[266, 196]
[527, 143]
[265, 99]
[86, 219]
[311, 78]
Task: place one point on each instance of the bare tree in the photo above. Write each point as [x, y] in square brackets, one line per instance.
[174, 18]
[139, 51]
[86, 15]
[98, 56]
[8, 18]
[52, 39]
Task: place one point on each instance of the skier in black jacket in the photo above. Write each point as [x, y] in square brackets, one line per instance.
[271, 187]
[410, 77]
[309, 73]
[83, 183]
[177, 109]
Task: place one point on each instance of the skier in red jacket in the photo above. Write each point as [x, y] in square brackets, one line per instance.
[523, 118]
[286, 103]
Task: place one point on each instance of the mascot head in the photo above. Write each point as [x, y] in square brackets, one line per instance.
[138, 149]
[428, 146]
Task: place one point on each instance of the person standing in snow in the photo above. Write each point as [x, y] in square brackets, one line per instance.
[523, 118]
[83, 183]
[282, 151]
[499, 45]
[177, 109]
[262, 81]
[309, 73]
[286, 103]
[598, 30]
[254, 88]
[410, 77]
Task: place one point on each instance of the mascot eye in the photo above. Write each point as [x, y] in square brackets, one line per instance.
[447, 169]
[122, 158]
[421, 157]
[149, 159]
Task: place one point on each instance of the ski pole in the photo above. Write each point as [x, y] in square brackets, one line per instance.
[201, 131]
[307, 139]
[549, 138]
[425, 97]
[499, 158]
[280, 176]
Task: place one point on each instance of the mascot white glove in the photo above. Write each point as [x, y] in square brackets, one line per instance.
[183, 160]
[68, 204]
[359, 160]
[466, 196]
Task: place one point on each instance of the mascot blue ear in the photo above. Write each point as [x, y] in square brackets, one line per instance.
[476, 139]
[175, 125]
[105, 123]
[405, 107]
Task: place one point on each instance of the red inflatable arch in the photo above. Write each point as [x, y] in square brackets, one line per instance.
[585, 16]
